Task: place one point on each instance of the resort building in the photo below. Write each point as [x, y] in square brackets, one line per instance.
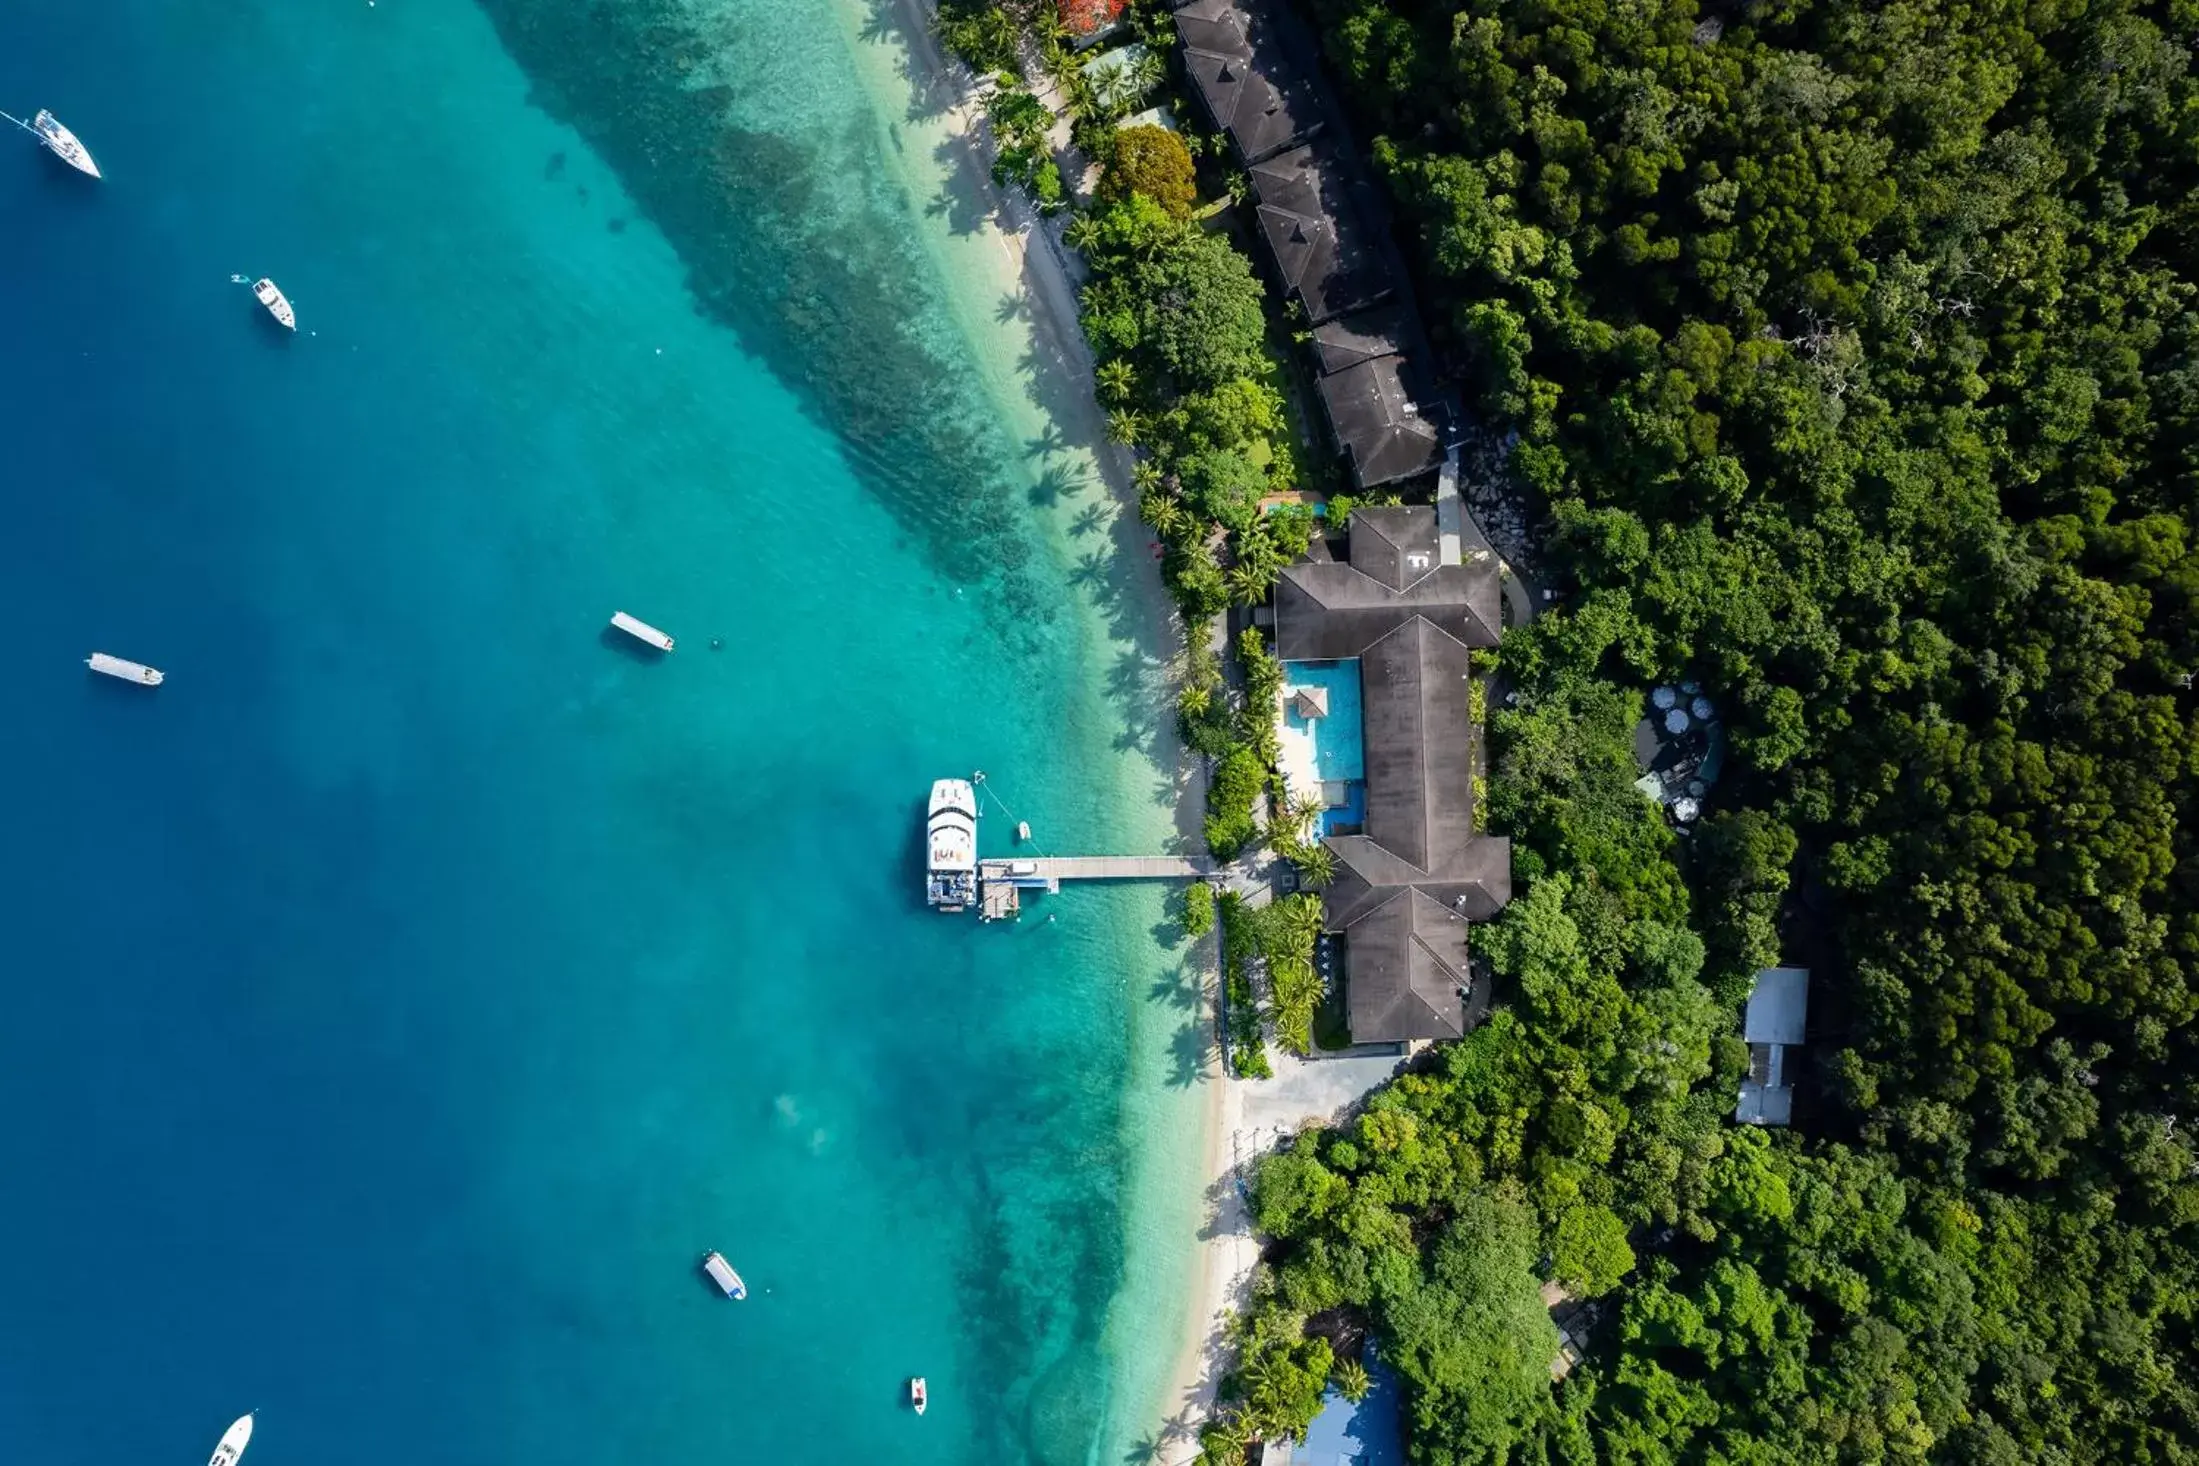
[1325, 230]
[1254, 92]
[1314, 233]
[1377, 652]
[1774, 1027]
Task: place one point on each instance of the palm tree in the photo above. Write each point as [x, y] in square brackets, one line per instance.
[1125, 426]
[1226, 1437]
[1247, 585]
[1317, 868]
[1081, 234]
[1160, 511]
[1145, 476]
[1353, 1381]
[1261, 555]
[1147, 72]
[1302, 917]
[1117, 380]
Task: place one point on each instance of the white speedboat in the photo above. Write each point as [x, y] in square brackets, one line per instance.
[278, 304]
[950, 832]
[720, 1272]
[233, 1442]
[125, 669]
[919, 1396]
[59, 141]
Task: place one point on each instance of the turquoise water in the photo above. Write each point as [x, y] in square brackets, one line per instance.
[407, 993]
[1339, 750]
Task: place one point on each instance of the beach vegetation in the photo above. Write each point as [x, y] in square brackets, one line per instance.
[1198, 909]
[1153, 162]
[982, 32]
[1023, 155]
[1126, 425]
[1117, 381]
[1244, 1049]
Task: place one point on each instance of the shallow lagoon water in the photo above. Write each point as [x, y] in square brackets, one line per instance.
[407, 993]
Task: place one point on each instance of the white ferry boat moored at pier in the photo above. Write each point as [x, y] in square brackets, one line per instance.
[233, 1442]
[950, 832]
[58, 140]
[641, 631]
[270, 295]
[719, 1271]
[125, 669]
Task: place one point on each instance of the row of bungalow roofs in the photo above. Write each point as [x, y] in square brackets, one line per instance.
[1325, 229]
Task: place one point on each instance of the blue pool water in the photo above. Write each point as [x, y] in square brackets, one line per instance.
[404, 996]
[1370, 1433]
[1339, 751]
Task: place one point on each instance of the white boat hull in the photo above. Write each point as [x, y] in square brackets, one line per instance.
[125, 669]
[233, 1442]
[950, 846]
[63, 144]
[278, 304]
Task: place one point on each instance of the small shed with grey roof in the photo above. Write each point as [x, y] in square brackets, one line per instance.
[1378, 423]
[1774, 1026]
[1314, 233]
[1248, 86]
[1408, 885]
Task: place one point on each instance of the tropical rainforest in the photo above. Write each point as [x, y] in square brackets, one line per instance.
[1852, 353]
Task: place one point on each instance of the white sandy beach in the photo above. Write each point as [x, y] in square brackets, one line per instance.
[1190, 1252]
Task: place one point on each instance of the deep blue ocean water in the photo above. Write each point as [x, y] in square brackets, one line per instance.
[402, 997]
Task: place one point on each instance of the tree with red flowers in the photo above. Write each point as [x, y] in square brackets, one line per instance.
[1090, 17]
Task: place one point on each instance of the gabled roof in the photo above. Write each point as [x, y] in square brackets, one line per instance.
[1348, 340]
[1378, 424]
[1315, 234]
[1408, 969]
[1250, 89]
[1336, 609]
[1779, 1007]
[1217, 26]
[1406, 887]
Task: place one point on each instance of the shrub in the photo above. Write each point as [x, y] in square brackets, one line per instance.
[1198, 909]
[1200, 310]
[1152, 161]
[1224, 485]
[1238, 778]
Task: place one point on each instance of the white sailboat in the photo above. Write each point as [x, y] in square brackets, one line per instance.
[59, 141]
[278, 304]
[233, 1442]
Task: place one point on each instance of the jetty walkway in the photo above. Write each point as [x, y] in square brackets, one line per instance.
[1001, 883]
[1098, 868]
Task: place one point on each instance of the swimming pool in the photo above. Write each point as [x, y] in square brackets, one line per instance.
[1333, 741]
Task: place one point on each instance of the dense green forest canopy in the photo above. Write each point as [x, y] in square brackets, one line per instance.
[1854, 352]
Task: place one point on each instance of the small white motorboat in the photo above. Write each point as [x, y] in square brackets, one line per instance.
[126, 669]
[919, 1397]
[641, 631]
[58, 140]
[278, 304]
[233, 1442]
[719, 1271]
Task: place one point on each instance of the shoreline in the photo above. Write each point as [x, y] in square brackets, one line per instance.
[1056, 385]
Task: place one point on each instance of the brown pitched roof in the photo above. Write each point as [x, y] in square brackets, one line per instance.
[1249, 87]
[1407, 886]
[1378, 424]
[1315, 233]
[1362, 336]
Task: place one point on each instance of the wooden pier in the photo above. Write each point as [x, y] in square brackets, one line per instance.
[1001, 883]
